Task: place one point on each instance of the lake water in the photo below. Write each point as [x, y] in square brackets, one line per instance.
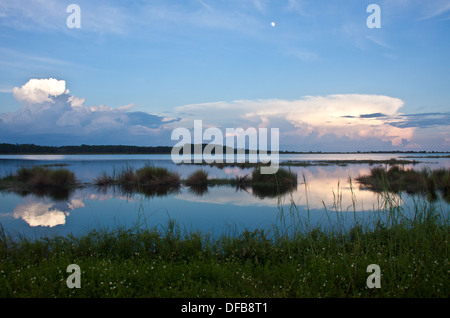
[326, 198]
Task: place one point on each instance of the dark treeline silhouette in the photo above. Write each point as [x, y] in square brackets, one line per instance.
[7, 149]
[83, 149]
[97, 149]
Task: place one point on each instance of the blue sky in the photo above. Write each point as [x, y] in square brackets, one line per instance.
[136, 70]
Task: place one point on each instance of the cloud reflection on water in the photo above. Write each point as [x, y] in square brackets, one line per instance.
[324, 185]
[45, 212]
[40, 214]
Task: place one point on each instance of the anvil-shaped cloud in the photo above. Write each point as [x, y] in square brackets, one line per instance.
[338, 116]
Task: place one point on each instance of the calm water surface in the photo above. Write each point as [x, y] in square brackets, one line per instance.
[326, 198]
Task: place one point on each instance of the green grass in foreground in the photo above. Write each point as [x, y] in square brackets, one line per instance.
[289, 262]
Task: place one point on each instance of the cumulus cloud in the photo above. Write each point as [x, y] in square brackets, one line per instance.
[76, 101]
[37, 91]
[50, 115]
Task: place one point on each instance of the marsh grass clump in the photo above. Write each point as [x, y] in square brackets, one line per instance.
[61, 177]
[282, 176]
[199, 177]
[41, 182]
[42, 177]
[150, 175]
[396, 179]
[273, 185]
[148, 180]
[126, 175]
[143, 177]
[104, 179]
[198, 182]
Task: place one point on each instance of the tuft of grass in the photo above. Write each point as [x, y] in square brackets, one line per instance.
[42, 177]
[104, 179]
[396, 179]
[150, 181]
[199, 177]
[41, 181]
[272, 185]
[282, 176]
[143, 177]
[150, 175]
[62, 177]
[127, 176]
[198, 182]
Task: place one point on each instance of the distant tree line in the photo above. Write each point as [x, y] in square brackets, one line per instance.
[97, 149]
[7, 149]
[83, 149]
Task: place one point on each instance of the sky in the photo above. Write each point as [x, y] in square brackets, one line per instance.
[135, 70]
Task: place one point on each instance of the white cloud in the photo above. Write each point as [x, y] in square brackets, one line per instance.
[76, 101]
[50, 115]
[37, 91]
[341, 116]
